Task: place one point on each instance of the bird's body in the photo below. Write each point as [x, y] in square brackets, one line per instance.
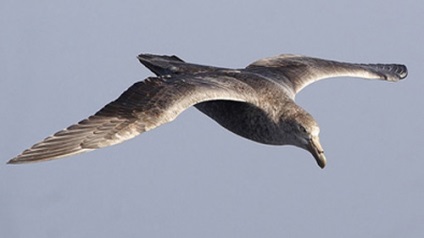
[256, 102]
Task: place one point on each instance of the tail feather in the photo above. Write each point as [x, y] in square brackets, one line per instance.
[161, 64]
[171, 65]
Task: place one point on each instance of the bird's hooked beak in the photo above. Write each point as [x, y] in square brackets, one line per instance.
[315, 148]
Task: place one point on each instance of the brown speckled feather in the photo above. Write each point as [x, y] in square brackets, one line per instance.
[144, 106]
[256, 102]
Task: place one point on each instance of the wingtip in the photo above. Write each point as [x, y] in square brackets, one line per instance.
[14, 161]
[390, 72]
[403, 71]
[397, 72]
[21, 159]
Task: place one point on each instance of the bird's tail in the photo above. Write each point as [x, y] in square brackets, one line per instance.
[170, 65]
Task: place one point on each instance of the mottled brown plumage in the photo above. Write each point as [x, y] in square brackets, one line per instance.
[256, 102]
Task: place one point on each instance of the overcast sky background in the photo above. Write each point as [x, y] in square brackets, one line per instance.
[61, 61]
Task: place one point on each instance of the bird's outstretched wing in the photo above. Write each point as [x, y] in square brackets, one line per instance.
[300, 71]
[144, 106]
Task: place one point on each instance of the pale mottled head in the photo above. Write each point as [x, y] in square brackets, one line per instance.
[303, 131]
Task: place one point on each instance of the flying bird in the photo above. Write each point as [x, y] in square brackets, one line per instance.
[256, 102]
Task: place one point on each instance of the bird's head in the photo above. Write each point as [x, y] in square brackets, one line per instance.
[303, 131]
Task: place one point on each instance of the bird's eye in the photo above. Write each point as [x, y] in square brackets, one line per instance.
[302, 129]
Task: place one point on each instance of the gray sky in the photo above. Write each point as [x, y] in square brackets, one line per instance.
[61, 62]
